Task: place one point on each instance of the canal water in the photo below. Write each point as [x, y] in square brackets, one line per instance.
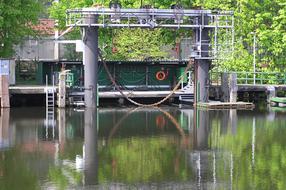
[128, 148]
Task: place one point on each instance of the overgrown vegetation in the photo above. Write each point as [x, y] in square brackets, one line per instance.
[16, 20]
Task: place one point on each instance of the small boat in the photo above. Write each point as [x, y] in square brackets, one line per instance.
[278, 101]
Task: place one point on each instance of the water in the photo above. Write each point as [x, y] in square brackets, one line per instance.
[166, 148]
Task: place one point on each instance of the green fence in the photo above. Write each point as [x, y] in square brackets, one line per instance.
[253, 77]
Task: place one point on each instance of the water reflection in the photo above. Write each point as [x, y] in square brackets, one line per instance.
[121, 148]
[90, 157]
[5, 131]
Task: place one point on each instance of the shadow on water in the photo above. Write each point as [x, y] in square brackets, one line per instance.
[123, 148]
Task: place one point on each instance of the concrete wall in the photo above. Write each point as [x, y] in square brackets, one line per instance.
[43, 49]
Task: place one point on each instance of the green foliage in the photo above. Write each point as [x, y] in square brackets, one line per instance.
[267, 20]
[142, 160]
[15, 23]
[132, 44]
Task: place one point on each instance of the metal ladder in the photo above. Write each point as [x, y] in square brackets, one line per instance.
[188, 90]
[50, 107]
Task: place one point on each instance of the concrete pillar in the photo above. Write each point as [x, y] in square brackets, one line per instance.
[229, 87]
[62, 90]
[90, 59]
[271, 93]
[233, 87]
[90, 147]
[4, 91]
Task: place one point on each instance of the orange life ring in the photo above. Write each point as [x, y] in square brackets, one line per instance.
[160, 75]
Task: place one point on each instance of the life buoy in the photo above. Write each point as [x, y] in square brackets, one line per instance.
[160, 75]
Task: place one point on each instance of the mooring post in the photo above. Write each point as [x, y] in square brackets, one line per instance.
[90, 61]
[229, 87]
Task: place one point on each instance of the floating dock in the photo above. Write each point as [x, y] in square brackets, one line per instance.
[226, 105]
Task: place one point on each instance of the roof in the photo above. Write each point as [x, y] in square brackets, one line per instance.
[45, 26]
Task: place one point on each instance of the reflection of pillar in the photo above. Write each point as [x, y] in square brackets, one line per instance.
[90, 147]
[253, 141]
[228, 119]
[4, 127]
[4, 91]
[62, 127]
[233, 120]
[90, 40]
[224, 121]
[201, 129]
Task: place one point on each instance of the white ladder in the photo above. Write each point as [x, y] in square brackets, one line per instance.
[50, 107]
[188, 90]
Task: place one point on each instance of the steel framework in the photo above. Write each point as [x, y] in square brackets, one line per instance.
[206, 43]
[216, 23]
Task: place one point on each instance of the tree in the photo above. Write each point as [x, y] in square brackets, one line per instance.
[267, 19]
[16, 20]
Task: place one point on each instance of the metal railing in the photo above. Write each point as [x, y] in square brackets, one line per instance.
[254, 78]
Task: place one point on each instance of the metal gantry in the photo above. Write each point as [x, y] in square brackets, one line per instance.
[218, 23]
[211, 31]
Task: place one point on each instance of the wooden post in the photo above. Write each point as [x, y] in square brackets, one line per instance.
[4, 91]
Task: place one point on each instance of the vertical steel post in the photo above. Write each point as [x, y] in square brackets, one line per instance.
[202, 64]
[90, 40]
[202, 68]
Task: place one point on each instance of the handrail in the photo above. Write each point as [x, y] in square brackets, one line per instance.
[248, 77]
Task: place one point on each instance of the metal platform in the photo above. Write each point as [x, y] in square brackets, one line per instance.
[29, 89]
[106, 94]
[226, 105]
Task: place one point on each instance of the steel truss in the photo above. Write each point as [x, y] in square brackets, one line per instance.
[214, 23]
